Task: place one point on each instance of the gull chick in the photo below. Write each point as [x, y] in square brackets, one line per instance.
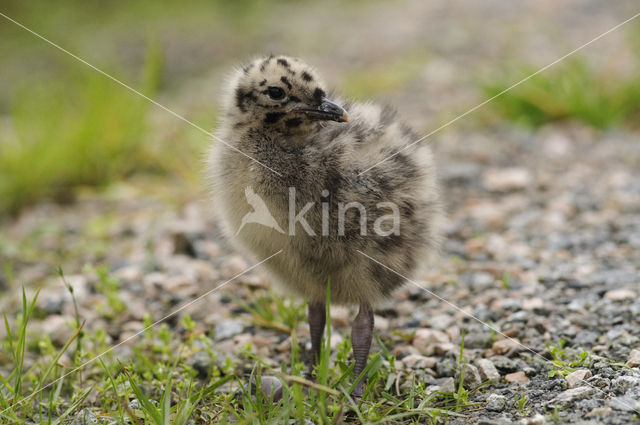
[308, 155]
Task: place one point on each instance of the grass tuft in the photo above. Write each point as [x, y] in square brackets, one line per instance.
[570, 91]
[77, 130]
[156, 385]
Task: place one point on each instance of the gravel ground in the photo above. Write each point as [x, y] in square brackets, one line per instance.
[542, 243]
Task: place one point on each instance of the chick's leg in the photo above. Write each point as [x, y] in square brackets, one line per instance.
[361, 334]
[317, 319]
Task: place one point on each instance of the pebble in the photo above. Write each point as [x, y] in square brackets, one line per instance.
[519, 377]
[207, 249]
[416, 361]
[448, 385]
[381, 323]
[568, 397]
[505, 364]
[599, 411]
[494, 421]
[618, 295]
[487, 370]
[132, 326]
[201, 363]
[85, 417]
[472, 377]
[506, 179]
[233, 266]
[577, 377]
[532, 304]
[622, 384]
[340, 316]
[129, 274]
[180, 286]
[537, 419]
[504, 346]
[336, 340]
[477, 340]
[625, 403]
[496, 403]
[426, 340]
[56, 296]
[440, 322]
[58, 328]
[271, 387]
[634, 358]
[227, 329]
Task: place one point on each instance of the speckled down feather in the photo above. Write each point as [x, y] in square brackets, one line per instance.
[322, 160]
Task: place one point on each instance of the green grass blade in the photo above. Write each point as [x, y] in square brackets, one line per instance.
[54, 362]
[9, 336]
[147, 407]
[184, 413]
[113, 386]
[165, 403]
[74, 406]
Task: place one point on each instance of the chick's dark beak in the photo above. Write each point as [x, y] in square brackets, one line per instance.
[333, 111]
[326, 111]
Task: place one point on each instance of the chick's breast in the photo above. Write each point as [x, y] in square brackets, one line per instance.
[342, 213]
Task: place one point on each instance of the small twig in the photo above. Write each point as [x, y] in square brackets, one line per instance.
[269, 324]
[307, 383]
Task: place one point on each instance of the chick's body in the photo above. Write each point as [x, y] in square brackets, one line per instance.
[387, 213]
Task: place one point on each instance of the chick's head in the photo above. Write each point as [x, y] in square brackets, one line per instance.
[282, 96]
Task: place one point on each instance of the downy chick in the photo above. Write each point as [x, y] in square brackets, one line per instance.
[293, 181]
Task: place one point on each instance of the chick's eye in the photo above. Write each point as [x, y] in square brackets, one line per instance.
[275, 93]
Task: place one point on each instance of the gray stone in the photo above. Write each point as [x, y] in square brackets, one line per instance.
[622, 384]
[201, 362]
[577, 377]
[227, 329]
[585, 337]
[537, 419]
[462, 172]
[416, 361]
[618, 295]
[496, 403]
[505, 364]
[56, 296]
[85, 417]
[568, 397]
[482, 280]
[446, 368]
[506, 179]
[487, 370]
[471, 377]
[448, 385]
[477, 340]
[494, 421]
[271, 387]
[504, 346]
[58, 328]
[426, 340]
[599, 411]
[624, 403]
[440, 321]
[634, 358]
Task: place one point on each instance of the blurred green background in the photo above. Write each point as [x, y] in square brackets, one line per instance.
[64, 126]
